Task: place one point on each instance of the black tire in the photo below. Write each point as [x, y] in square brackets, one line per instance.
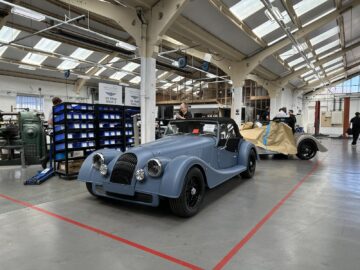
[306, 149]
[191, 196]
[90, 189]
[251, 166]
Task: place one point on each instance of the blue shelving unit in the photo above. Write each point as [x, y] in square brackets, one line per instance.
[74, 135]
[128, 126]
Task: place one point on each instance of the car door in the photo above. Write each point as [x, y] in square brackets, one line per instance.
[227, 149]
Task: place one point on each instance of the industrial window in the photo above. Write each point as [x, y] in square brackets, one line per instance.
[30, 102]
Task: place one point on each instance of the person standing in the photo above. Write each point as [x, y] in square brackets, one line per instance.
[292, 120]
[183, 112]
[355, 125]
[55, 101]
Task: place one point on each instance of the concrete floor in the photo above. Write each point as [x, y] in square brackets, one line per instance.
[315, 227]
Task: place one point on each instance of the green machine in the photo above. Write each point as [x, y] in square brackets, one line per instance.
[23, 130]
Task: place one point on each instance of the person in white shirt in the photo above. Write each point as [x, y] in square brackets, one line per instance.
[282, 113]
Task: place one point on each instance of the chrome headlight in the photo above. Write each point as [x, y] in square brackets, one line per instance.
[103, 169]
[98, 160]
[154, 167]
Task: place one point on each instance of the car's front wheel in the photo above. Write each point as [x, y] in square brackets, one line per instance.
[89, 187]
[251, 166]
[306, 149]
[192, 194]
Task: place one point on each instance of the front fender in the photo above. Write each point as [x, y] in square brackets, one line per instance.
[174, 175]
[244, 150]
[88, 174]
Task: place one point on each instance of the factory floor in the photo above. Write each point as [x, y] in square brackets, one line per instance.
[292, 215]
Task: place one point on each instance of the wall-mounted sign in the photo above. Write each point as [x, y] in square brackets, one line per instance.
[110, 94]
[132, 97]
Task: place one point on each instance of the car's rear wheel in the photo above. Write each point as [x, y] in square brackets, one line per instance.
[89, 187]
[192, 194]
[251, 166]
[306, 149]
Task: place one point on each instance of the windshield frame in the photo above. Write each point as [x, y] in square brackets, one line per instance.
[216, 136]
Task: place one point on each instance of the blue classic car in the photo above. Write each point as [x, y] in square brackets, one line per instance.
[193, 155]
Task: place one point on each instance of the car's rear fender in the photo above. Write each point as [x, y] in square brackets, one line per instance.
[319, 145]
[244, 150]
[175, 172]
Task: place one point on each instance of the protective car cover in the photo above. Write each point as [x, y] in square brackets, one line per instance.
[277, 137]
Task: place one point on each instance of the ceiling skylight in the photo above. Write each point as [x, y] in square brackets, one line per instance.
[245, 8]
[307, 73]
[305, 6]
[327, 46]
[118, 75]
[130, 66]
[47, 45]
[136, 80]
[34, 59]
[162, 75]
[324, 36]
[115, 59]
[296, 61]
[330, 53]
[68, 64]
[8, 34]
[177, 79]
[81, 53]
[270, 25]
[333, 61]
[166, 85]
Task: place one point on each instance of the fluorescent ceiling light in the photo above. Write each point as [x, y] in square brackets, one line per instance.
[210, 75]
[125, 46]
[296, 61]
[270, 26]
[330, 53]
[313, 80]
[300, 67]
[333, 61]
[162, 75]
[245, 8]
[118, 75]
[27, 13]
[334, 71]
[34, 59]
[130, 66]
[172, 40]
[327, 46]
[81, 53]
[2, 50]
[325, 35]
[47, 45]
[188, 82]
[84, 77]
[337, 77]
[8, 34]
[136, 80]
[103, 59]
[115, 59]
[305, 6]
[167, 85]
[90, 69]
[276, 40]
[68, 64]
[27, 67]
[307, 73]
[333, 67]
[177, 79]
[100, 71]
[309, 78]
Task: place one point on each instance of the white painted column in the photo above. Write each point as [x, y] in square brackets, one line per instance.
[237, 103]
[148, 99]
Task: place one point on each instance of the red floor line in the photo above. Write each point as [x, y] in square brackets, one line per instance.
[258, 226]
[104, 233]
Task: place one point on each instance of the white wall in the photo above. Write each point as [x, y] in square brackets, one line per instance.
[10, 86]
[327, 105]
[285, 98]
